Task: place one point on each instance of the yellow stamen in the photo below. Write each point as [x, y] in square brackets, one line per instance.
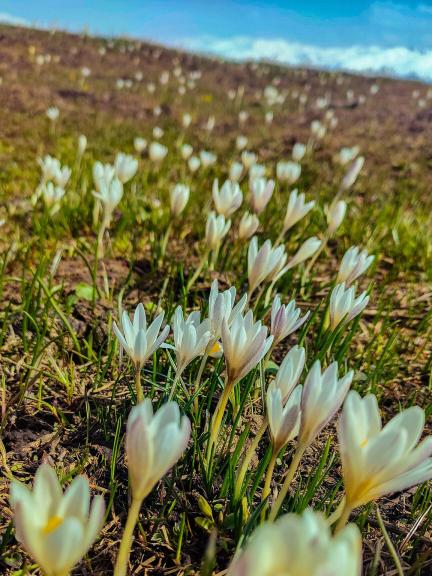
[364, 443]
[215, 349]
[53, 523]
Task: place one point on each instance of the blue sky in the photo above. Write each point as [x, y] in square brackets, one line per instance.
[290, 30]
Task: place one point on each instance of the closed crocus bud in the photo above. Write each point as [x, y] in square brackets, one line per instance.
[264, 264]
[306, 250]
[241, 142]
[62, 175]
[186, 120]
[297, 209]
[56, 529]
[300, 545]
[52, 196]
[248, 159]
[125, 167]
[248, 225]
[210, 124]
[179, 197]
[53, 113]
[318, 129]
[285, 320]
[82, 144]
[261, 192]
[186, 151]
[216, 229]
[298, 151]
[228, 199]
[323, 395]
[352, 173]
[191, 337]
[335, 215]
[207, 158]
[346, 155]
[344, 306]
[283, 418]
[235, 171]
[137, 340]
[257, 171]
[154, 444]
[194, 163]
[102, 175]
[157, 152]
[157, 132]
[245, 343]
[354, 263]
[140, 144]
[288, 171]
[268, 117]
[377, 460]
[289, 372]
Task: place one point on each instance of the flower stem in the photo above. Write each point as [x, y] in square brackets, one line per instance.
[344, 517]
[198, 380]
[267, 483]
[165, 239]
[126, 541]
[198, 271]
[217, 417]
[248, 457]
[298, 455]
[138, 386]
[174, 385]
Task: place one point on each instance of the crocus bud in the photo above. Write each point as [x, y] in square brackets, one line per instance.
[241, 142]
[297, 209]
[157, 152]
[56, 529]
[306, 250]
[354, 263]
[154, 443]
[179, 197]
[53, 113]
[285, 320]
[288, 171]
[140, 144]
[248, 225]
[110, 196]
[261, 192]
[300, 545]
[289, 371]
[248, 159]
[194, 163]
[125, 167]
[298, 151]
[352, 173]
[186, 151]
[235, 171]
[186, 120]
[335, 215]
[344, 306]
[284, 419]
[207, 158]
[264, 264]
[82, 144]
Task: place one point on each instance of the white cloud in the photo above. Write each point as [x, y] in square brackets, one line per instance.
[6, 18]
[397, 60]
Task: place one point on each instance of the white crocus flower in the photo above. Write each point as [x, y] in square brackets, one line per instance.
[194, 163]
[380, 460]
[269, 117]
[62, 175]
[125, 167]
[186, 120]
[228, 199]
[283, 418]
[335, 215]
[297, 209]
[298, 151]
[207, 158]
[235, 171]
[285, 320]
[186, 151]
[289, 372]
[344, 306]
[257, 171]
[354, 263]
[300, 545]
[110, 196]
[288, 171]
[56, 529]
[179, 197]
[191, 337]
[102, 175]
[245, 343]
[248, 159]
[82, 144]
[241, 142]
[49, 167]
[154, 444]
[53, 113]
[261, 191]
[264, 264]
[222, 307]
[157, 152]
[52, 196]
[137, 339]
[140, 144]
[248, 225]
[306, 250]
[346, 155]
[216, 229]
[352, 173]
[323, 395]
[157, 132]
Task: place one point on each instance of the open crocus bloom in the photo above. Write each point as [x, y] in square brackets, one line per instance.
[376, 460]
[138, 340]
[56, 529]
[300, 546]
